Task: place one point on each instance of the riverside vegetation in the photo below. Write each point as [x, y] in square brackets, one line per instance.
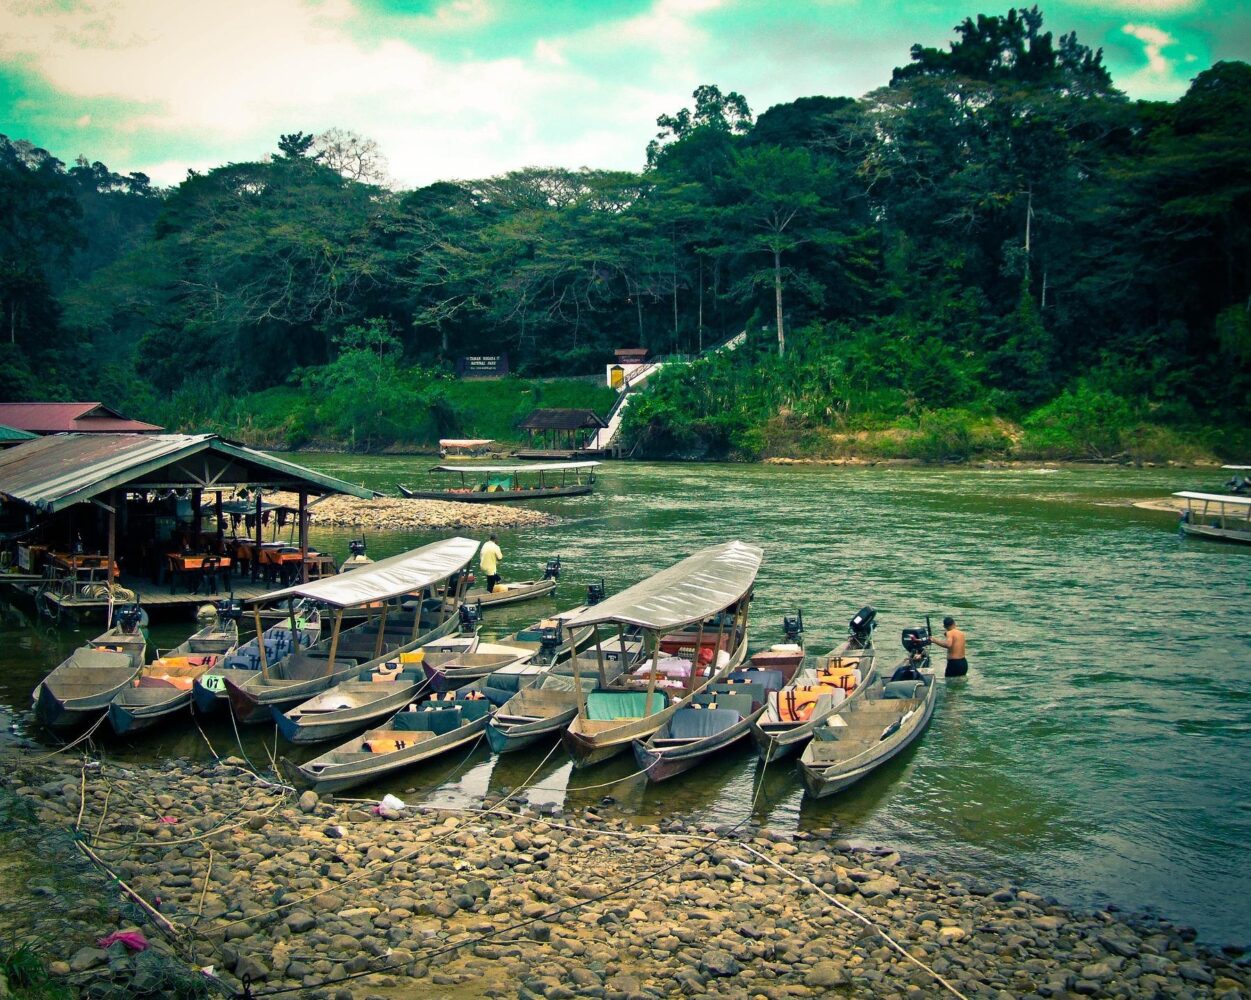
[338, 899]
[995, 254]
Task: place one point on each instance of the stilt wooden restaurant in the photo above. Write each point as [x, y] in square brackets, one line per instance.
[95, 520]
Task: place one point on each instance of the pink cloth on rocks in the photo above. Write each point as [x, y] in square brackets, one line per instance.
[134, 940]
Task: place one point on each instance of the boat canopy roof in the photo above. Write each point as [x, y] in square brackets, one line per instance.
[1237, 468]
[1216, 498]
[387, 578]
[532, 467]
[465, 442]
[698, 587]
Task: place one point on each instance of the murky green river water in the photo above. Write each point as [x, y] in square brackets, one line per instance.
[1100, 749]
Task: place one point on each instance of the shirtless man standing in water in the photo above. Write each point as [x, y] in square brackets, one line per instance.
[957, 665]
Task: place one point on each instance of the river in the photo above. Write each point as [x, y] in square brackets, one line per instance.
[1099, 750]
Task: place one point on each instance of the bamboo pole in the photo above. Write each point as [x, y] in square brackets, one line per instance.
[579, 694]
[112, 553]
[303, 516]
[382, 630]
[599, 657]
[651, 679]
[147, 907]
[260, 641]
[334, 640]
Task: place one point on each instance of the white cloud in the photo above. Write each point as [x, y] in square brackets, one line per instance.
[234, 74]
[1159, 78]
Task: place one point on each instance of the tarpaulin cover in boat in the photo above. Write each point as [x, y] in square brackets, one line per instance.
[488, 470]
[604, 706]
[690, 591]
[387, 578]
[692, 723]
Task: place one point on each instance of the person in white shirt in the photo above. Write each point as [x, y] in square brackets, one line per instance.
[489, 559]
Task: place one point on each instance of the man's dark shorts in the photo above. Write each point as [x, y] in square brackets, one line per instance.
[957, 668]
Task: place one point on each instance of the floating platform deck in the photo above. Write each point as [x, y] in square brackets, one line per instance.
[155, 597]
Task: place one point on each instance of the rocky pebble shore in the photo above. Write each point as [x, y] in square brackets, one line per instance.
[286, 891]
[398, 514]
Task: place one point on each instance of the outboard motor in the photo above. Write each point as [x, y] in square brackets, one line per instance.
[552, 570]
[594, 593]
[470, 617]
[862, 625]
[129, 618]
[230, 610]
[549, 641]
[916, 642]
[793, 626]
[356, 547]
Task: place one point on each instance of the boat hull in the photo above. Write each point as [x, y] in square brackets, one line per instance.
[660, 764]
[318, 729]
[506, 737]
[253, 702]
[535, 589]
[337, 778]
[779, 742]
[824, 782]
[588, 749]
[1217, 534]
[500, 496]
[126, 718]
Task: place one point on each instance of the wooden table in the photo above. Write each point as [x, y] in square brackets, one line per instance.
[190, 566]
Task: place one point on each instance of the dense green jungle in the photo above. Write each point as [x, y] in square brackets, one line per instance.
[996, 254]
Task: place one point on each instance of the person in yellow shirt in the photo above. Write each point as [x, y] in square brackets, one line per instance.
[489, 559]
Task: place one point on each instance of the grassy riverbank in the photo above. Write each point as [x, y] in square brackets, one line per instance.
[334, 900]
[408, 413]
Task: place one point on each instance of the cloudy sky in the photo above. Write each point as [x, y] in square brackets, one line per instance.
[470, 88]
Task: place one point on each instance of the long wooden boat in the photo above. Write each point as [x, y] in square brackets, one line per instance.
[1217, 516]
[851, 744]
[435, 571]
[699, 604]
[712, 723]
[443, 673]
[364, 697]
[823, 686]
[550, 640]
[499, 483]
[421, 731]
[512, 593]
[544, 709]
[83, 684]
[165, 685]
[209, 691]
[126, 635]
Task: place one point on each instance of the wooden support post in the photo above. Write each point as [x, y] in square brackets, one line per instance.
[221, 523]
[260, 641]
[651, 679]
[578, 693]
[334, 640]
[256, 553]
[699, 643]
[295, 632]
[599, 657]
[112, 554]
[303, 516]
[382, 630]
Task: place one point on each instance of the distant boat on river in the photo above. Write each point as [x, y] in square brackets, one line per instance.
[498, 483]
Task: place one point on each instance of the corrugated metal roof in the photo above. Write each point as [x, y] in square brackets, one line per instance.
[52, 473]
[380, 581]
[696, 588]
[71, 418]
[561, 420]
